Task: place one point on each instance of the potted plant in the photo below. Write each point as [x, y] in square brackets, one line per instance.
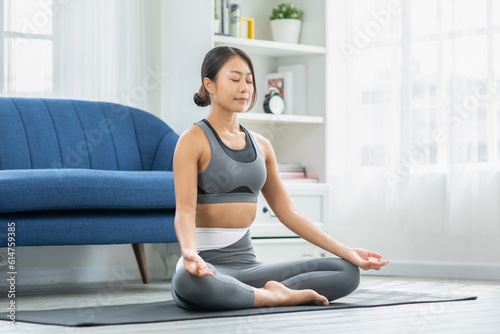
[286, 19]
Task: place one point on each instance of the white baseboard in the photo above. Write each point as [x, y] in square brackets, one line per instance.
[449, 270]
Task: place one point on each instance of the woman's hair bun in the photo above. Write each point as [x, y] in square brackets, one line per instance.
[199, 101]
[202, 99]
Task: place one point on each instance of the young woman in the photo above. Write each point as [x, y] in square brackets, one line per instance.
[219, 170]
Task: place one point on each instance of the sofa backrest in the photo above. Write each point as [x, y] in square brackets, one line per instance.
[58, 133]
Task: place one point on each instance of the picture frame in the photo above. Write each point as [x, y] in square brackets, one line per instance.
[247, 29]
[284, 82]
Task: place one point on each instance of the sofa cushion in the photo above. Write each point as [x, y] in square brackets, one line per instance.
[89, 227]
[59, 133]
[70, 189]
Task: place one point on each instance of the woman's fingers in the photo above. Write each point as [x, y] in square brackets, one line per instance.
[374, 255]
[369, 260]
[206, 272]
[377, 265]
[374, 265]
[203, 270]
[196, 269]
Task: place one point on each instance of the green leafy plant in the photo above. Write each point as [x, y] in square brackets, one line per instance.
[286, 10]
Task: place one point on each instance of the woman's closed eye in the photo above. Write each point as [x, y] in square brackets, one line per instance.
[238, 80]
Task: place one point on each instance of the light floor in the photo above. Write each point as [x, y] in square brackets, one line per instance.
[480, 316]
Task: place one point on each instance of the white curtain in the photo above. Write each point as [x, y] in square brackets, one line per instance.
[415, 129]
[99, 51]
[82, 49]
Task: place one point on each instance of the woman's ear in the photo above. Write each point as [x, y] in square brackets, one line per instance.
[209, 85]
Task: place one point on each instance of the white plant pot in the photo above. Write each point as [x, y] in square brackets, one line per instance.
[286, 30]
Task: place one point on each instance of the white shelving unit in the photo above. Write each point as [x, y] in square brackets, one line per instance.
[296, 137]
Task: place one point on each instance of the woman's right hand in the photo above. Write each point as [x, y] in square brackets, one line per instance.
[194, 264]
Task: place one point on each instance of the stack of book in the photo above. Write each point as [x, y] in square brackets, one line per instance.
[294, 172]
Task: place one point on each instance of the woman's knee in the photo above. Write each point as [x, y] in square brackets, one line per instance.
[210, 292]
[187, 285]
[350, 270]
[180, 281]
[191, 290]
[352, 273]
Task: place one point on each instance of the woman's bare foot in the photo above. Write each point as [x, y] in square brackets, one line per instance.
[276, 294]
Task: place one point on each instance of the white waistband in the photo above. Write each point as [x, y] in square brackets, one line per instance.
[214, 238]
[208, 238]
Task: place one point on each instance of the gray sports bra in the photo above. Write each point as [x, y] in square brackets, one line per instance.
[231, 175]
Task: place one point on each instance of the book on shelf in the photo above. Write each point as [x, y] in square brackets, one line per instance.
[289, 175]
[301, 180]
[294, 172]
[291, 167]
[222, 9]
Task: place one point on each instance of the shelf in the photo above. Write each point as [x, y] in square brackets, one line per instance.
[296, 119]
[269, 48]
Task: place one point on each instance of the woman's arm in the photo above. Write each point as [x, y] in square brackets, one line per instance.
[278, 199]
[185, 166]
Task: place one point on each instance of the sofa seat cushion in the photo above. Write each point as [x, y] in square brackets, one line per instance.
[69, 189]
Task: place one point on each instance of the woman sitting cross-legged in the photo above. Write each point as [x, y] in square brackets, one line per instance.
[219, 169]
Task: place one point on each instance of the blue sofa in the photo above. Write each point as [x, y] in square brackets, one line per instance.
[83, 173]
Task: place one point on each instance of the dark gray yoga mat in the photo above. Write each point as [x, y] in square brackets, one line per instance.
[168, 311]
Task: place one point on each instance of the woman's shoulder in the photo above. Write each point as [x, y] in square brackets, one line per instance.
[193, 137]
[192, 132]
[264, 144]
[259, 138]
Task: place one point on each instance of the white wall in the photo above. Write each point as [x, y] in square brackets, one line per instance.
[185, 41]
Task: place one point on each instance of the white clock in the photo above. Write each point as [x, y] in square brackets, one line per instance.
[274, 103]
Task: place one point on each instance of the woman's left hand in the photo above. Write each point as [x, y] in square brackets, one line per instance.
[361, 258]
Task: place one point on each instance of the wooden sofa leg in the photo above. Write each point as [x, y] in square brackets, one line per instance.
[140, 256]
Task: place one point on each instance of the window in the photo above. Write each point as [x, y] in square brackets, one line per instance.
[78, 49]
[27, 48]
[434, 66]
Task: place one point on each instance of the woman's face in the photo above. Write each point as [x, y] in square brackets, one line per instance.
[233, 87]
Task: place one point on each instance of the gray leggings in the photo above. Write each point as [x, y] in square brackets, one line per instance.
[237, 271]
